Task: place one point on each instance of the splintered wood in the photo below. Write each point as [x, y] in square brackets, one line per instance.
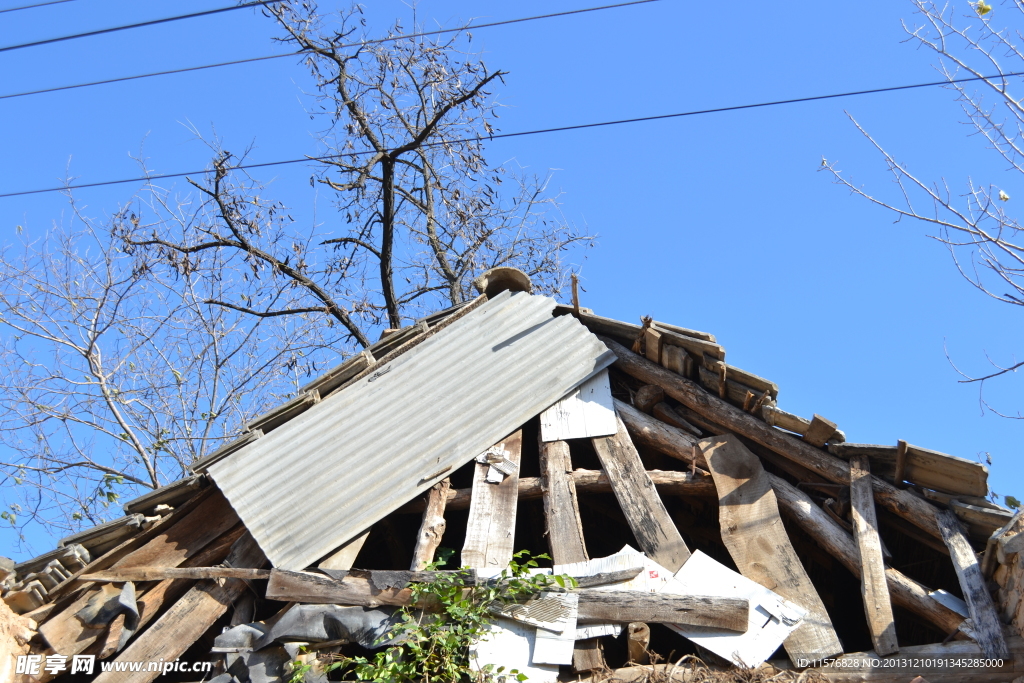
[752, 531]
[492, 513]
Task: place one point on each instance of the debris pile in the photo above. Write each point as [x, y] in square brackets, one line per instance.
[699, 521]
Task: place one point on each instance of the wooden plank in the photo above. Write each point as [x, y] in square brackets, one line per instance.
[670, 415]
[561, 508]
[646, 397]
[652, 345]
[906, 505]
[188, 619]
[584, 413]
[289, 586]
[753, 533]
[661, 436]
[491, 528]
[987, 626]
[668, 482]
[901, 462]
[873, 586]
[645, 512]
[729, 614]
[161, 573]
[344, 557]
[924, 467]
[696, 346]
[686, 332]
[432, 527]
[673, 358]
[819, 431]
[565, 530]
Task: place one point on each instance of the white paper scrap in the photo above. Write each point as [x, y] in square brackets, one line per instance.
[772, 618]
[588, 631]
[651, 580]
[510, 645]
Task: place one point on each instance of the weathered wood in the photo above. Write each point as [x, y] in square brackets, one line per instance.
[659, 435]
[753, 533]
[759, 384]
[987, 626]
[345, 556]
[587, 655]
[433, 525]
[686, 332]
[652, 345]
[674, 358]
[161, 573]
[289, 586]
[644, 511]
[922, 466]
[491, 528]
[585, 412]
[903, 503]
[901, 462]
[711, 379]
[283, 413]
[819, 431]
[605, 578]
[647, 397]
[980, 520]
[561, 508]
[188, 619]
[639, 635]
[904, 591]
[668, 482]
[873, 586]
[729, 614]
[699, 347]
[670, 415]
[775, 417]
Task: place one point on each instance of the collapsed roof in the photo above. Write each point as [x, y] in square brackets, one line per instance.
[512, 423]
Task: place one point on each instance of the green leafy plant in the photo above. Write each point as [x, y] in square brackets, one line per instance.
[444, 619]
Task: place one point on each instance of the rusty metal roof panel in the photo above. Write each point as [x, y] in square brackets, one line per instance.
[327, 475]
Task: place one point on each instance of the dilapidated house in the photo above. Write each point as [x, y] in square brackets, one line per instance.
[699, 519]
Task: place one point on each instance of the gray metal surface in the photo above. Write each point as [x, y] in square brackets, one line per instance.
[326, 476]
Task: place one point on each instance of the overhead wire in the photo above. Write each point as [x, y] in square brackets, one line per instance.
[152, 22]
[339, 47]
[38, 4]
[538, 131]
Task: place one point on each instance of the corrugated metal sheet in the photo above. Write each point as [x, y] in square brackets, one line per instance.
[322, 478]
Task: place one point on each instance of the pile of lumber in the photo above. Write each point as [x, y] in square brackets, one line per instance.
[688, 505]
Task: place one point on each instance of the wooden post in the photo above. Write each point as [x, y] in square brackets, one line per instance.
[433, 526]
[901, 462]
[987, 627]
[652, 344]
[491, 528]
[873, 587]
[639, 640]
[645, 512]
[752, 531]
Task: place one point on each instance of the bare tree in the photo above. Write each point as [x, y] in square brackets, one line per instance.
[986, 242]
[115, 377]
[420, 213]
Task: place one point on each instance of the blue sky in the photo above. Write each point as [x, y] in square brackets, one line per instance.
[717, 222]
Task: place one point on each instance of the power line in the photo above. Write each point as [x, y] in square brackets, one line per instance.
[139, 25]
[41, 4]
[539, 131]
[339, 47]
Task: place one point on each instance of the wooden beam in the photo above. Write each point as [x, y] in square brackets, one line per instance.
[652, 344]
[690, 394]
[873, 586]
[729, 614]
[565, 531]
[645, 512]
[491, 528]
[753, 533]
[668, 482]
[433, 525]
[670, 415]
[188, 619]
[161, 573]
[987, 627]
[901, 463]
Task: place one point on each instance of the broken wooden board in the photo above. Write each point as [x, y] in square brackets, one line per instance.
[927, 468]
[188, 619]
[161, 573]
[645, 512]
[770, 620]
[585, 412]
[491, 528]
[561, 508]
[819, 431]
[752, 531]
[433, 525]
[987, 626]
[344, 557]
[873, 587]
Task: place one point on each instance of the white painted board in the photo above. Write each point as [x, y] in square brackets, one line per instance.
[772, 618]
[556, 647]
[510, 645]
[586, 411]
